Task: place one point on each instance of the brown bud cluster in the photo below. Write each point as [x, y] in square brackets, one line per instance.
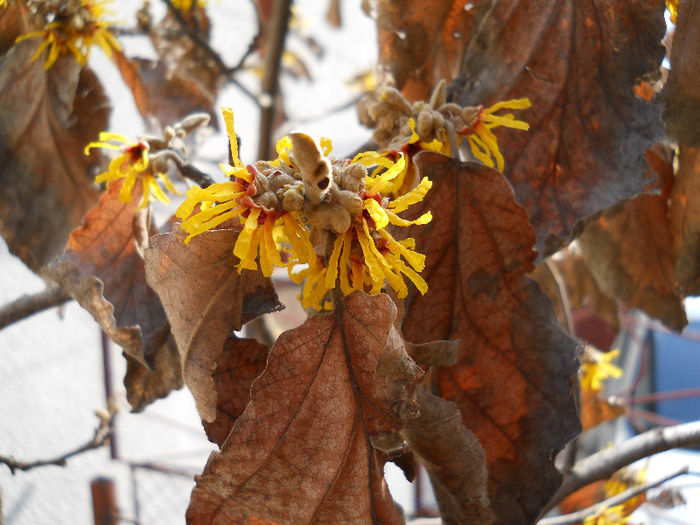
[388, 112]
[327, 192]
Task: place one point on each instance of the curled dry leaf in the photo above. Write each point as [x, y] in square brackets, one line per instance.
[684, 213]
[597, 409]
[420, 43]
[454, 459]
[46, 119]
[434, 353]
[629, 252]
[144, 385]
[580, 286]
[578, 62]
[205, 299]
[104, 257]
[682, 91]
[166, 95]
[301, 451]
[240, 362]
[516, 372]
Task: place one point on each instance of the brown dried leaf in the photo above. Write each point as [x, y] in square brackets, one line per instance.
[420, 43]
[684, 214]
[304, 438]
[434, 353]
[105, 256]
[629, 252]
[581, 288]
[183, 62]
[682, 91]
[166, 95]
[46, 119]
[12, 25]
[516, 373]
[145, 385]
[578, 62]
[240, 362]
[597, 409]
[205, 299]
[454, 459]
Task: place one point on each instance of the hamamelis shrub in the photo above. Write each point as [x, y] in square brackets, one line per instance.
[431, 263]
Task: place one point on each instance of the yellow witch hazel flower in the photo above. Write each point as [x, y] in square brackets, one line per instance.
[187, 5]
[324, 219]
[76, 25]
[482, 141]
[436, 125]
[251, 196]
[133, 164]
[619, 482]
[596, 367]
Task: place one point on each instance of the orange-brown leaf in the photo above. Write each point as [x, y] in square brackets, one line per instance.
[301, 450]
[684, 214]
[421, 43]
[580, 286]
[205, 299]
[46, 119]
[454, 459]
[145, 385]
[105, 256]
[629, 252]
[166, 95]
[516, 373]
[240, 362]
[578, 62]
[597, 408]
[682, 91]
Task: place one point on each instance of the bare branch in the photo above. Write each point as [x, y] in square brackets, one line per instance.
[577, 517]
[604, 463]
[277, 33]
[28, 305]
[99, 438]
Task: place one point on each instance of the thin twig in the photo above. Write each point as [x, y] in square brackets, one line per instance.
[277, 33]
[604, 463]
[99, 438]
[577, 517]
[28, 305]
[194, 174]
[563, 295]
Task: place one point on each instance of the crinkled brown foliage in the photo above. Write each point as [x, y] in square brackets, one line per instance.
[682, 91]
[301, 450]
[454, 459]
[421, 43]
[205, 298]
[516, 372]
[629, 252]
[240, 362]
[684, 213]
[578, 62]
[46, 119]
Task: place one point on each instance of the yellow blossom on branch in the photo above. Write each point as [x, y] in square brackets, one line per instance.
[596, 367]
[133, 164]
[621, 481]
[75, 27]
[262, 225]
[481, 139]
[187, 5]
[324, 219]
